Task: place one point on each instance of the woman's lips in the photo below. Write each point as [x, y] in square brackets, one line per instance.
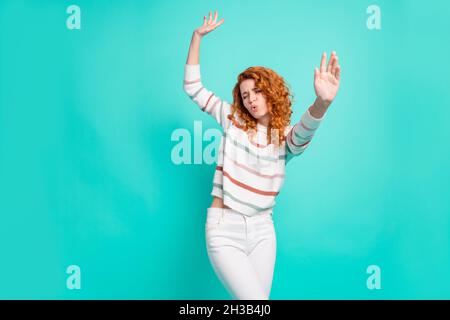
[253, 108]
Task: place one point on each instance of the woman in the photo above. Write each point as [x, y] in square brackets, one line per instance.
[257, 143]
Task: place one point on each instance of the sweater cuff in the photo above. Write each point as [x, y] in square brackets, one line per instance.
[310, 121]
[191, 72]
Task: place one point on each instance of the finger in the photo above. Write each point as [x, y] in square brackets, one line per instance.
[334, 65]
[220, 22]
[323, 62]
[338, 73]
[316, 73]
[210, 18]
[204, 20]
[215, 17]
[330, 63]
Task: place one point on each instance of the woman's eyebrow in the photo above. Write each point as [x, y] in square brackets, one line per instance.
[247, 90]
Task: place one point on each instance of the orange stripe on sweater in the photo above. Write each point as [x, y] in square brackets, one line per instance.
[297, 145]
[303, 125]
[256, 144]
[245, 186]
[206, 106]
[253, 171]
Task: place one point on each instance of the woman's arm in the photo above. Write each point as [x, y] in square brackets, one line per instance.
[207, 100]
[194, 49]
[207, 27]
[326, 85]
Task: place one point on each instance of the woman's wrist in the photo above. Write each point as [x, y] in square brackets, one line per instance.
[197, 35]
[319, 107]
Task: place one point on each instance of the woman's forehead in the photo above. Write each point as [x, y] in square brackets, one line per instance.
[247, 84]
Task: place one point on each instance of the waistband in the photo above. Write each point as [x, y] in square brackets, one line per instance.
[235, 215]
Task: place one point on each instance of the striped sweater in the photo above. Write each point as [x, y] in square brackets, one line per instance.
[249, 173]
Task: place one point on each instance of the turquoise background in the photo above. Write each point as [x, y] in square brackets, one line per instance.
[86, 175]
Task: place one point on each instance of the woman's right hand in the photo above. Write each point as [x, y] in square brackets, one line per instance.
[208, 25]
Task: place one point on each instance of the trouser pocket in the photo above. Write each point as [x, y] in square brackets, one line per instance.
[214, 218]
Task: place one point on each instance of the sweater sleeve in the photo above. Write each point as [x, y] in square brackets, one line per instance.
[300, 135]
[206, 100]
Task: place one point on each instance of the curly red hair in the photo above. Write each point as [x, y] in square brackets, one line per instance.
[278, 99]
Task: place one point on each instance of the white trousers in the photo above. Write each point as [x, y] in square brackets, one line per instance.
[242, 251]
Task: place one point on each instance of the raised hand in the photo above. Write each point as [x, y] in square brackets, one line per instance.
[208, 25]
[327, 78]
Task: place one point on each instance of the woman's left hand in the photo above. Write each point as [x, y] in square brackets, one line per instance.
[327, 79]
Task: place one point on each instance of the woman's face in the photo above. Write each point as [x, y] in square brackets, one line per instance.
[254, 101]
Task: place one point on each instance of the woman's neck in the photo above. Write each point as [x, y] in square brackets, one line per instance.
[264, 121]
